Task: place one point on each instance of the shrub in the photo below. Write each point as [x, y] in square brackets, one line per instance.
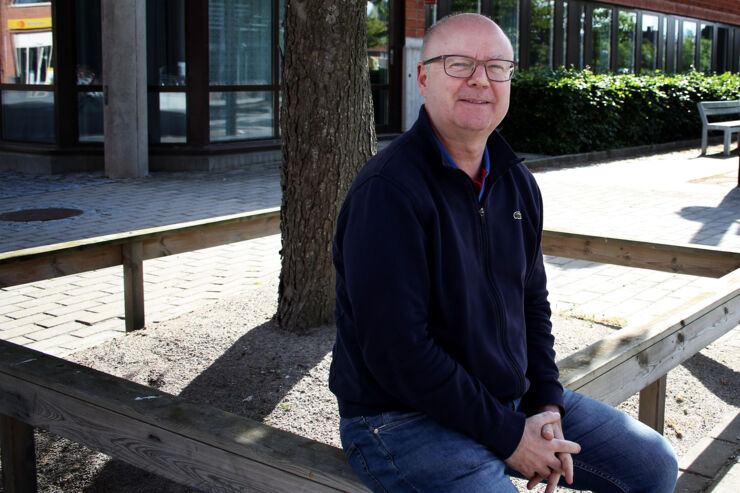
[570, 111]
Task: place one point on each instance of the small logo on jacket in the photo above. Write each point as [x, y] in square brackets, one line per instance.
[517, 215]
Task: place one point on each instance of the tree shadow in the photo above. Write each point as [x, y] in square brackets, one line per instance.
[716, 220]
[249, 379]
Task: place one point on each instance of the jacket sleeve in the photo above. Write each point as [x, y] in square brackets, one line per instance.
[542, 372]
[382, 243]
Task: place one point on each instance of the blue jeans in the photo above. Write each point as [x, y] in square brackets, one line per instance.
[410, 452]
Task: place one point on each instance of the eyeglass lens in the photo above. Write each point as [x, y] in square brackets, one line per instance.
[462, 66]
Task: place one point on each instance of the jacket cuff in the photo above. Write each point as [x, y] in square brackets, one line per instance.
[543, 395]
[504, 442]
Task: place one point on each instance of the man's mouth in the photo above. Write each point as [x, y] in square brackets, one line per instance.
[475, 101]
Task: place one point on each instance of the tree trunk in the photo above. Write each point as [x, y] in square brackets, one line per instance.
[328, 133]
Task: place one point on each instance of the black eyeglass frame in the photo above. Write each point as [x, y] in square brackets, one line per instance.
[442, 58]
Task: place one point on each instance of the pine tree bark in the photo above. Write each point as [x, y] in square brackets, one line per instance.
[328, 133]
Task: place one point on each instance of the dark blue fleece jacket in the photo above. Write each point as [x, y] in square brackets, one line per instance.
[441, 298]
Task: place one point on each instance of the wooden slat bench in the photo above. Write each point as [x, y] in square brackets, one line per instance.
[195, 445]
[212, 450]
[719, 108]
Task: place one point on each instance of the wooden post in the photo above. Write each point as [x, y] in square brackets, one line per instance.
[133, 284]
[18, 455]
[652, 404]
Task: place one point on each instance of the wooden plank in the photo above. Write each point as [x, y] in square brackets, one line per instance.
[18, 451]
[625, 362]
[190, 443]
[695, 260]
[652, 404]
[186, 240]
[61, 259]
[133, 285]
[57, 264]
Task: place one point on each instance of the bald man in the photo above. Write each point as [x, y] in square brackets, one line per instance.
[443, 367]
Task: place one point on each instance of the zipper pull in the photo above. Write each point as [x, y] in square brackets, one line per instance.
[482, 212]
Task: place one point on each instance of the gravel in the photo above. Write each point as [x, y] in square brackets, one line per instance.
[230, 354]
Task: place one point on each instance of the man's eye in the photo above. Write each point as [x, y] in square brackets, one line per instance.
[496, 68]
[459, 65]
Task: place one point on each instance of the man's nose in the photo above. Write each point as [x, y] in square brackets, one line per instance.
[479, 76]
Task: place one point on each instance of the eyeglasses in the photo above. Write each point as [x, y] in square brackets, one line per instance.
[462, 67]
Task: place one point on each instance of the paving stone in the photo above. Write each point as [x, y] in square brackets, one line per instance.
[691, 483]
[730, 481]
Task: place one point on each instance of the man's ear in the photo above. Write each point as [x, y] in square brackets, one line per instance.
[421, 78]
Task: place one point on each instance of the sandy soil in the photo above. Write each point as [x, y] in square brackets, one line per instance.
[231, 355]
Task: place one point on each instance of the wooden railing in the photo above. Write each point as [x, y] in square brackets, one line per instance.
[130, 249]
[209, 449]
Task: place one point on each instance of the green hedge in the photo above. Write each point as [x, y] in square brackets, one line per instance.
[573, 111]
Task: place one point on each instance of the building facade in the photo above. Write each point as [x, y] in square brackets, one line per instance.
[209, 70]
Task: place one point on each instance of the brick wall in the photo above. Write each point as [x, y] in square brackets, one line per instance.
[415, 13]
[725, 11]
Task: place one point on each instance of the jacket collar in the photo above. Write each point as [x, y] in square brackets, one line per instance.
[503, 157]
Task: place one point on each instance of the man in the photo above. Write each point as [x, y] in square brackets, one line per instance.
[443, 366]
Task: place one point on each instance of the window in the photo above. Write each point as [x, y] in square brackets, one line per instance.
[241, 70]
[601, 32]
[506, 14]
[89, 71]
[687, 48]
[705, 48]
[649, 43]
[27, 67]
[459, 6]
[378, 59]
[166, 71]
[541, 33]
[626, 42]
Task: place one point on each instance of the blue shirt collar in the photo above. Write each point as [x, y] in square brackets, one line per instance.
[486, 162]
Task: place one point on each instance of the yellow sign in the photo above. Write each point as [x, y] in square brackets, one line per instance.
[29, 23]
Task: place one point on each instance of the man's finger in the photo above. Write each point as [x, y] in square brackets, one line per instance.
[534, 481]
[566, 462]
[547, 432]
[552, 482]
[566, 446]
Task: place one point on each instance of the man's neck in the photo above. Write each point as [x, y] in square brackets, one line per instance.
[467, 154]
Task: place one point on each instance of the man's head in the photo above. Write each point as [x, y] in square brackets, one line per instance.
[464, 107]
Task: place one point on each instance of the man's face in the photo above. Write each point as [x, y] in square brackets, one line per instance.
[465, 107]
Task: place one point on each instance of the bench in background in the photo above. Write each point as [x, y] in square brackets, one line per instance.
[713, 109]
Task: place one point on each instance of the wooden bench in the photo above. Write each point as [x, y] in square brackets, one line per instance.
[130, 249]
[719, 108]
[203, 447]
[209, 449]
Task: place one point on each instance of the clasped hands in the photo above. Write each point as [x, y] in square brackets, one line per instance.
[543, 452]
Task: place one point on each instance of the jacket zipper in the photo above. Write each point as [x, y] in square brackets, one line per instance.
[499, 304]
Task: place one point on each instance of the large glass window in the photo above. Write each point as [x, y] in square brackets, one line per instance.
[459, 6]
[506, 15]
[89, 71]
[688, 46]
[541, 33]
[28, 116]
[166, 71]
[705, 48]
[378, 18]
[626, 42]
[601, 21]
[27, 70]
[649, 43]
[240, 42]
[241, 69]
